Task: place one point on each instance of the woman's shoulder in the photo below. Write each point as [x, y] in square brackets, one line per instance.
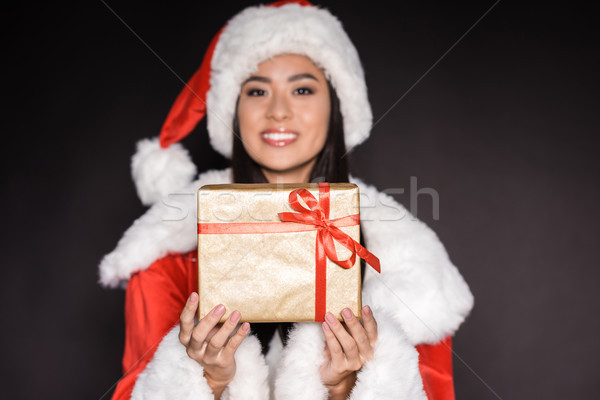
[173, 264]
[419, 285]
[167, 227]
[385, 220]
[175, 270]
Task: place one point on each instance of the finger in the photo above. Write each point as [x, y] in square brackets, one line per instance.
[186, 318]
[326, 352]
[236, 340]
[212, 332]
[359, 333]
[334, 349]
[206, 324]
[346, 341]
[370, 324]
[218, 341]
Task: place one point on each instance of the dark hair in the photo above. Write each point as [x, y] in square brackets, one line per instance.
[331, 165]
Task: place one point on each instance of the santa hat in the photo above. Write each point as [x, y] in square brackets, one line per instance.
[161, 165]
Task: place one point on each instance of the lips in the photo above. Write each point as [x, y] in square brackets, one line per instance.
[279, 138]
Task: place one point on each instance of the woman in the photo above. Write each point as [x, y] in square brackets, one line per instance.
[289, 79]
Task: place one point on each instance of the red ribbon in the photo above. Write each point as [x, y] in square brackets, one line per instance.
[317, 215]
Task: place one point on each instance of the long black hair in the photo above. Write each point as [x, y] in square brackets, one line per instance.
[331, 165]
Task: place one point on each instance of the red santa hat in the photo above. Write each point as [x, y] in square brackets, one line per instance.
[161, 165]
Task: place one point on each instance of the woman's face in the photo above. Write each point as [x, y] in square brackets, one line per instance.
[283, 114]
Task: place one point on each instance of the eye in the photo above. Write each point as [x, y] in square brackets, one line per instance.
[303, 91]
[256, 92]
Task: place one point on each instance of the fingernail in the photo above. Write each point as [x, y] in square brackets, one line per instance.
[235, 317]
[347, 314]
[245, 327]
[193, 297]
[325, 327]
[367, 310]
[330, 318]
[219, 310]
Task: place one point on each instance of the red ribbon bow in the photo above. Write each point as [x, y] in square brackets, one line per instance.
[317, 214]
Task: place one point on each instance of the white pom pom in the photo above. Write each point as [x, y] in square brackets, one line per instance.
[158, 172]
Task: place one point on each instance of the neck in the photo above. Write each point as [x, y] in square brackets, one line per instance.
[278, 177]
[296, 175]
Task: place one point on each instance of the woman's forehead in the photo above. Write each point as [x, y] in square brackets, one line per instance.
[289, 66]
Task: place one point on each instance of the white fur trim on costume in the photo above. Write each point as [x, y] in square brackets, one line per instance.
[252, 373]
[173, 375]
[298, 370]
[259, 33]
[273, 359]
[393, 373]
[167, 226]
[157, 172]
[418, 283]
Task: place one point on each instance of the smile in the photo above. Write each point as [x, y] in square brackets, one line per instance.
[278, 139]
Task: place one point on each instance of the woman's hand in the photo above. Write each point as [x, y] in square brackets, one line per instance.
[209, 343]
[347, 350]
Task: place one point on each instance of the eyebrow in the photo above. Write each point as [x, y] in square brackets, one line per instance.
[292, 78]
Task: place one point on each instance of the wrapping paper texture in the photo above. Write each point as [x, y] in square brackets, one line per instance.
[270, 277]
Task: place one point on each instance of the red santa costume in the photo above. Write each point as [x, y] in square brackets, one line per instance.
[419, 300]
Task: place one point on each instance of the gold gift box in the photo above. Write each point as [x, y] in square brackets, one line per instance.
[251, 261]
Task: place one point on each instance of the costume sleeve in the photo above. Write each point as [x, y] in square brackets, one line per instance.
[435, 364]
[153, 300]
[156, 365]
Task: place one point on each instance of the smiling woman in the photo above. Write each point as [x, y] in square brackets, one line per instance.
[286, 103]
[283, 115]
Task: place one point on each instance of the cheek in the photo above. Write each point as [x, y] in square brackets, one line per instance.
[318, 118]
[245, 120]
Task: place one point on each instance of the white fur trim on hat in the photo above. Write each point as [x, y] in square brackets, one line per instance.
[259, 33]
[157, 172]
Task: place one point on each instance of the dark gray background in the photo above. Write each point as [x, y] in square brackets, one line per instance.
[502, 128]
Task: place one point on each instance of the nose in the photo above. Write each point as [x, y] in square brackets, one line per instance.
[279, 108]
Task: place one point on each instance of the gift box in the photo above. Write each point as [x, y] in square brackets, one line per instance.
[280, 252]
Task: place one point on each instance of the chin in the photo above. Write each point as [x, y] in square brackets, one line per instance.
[286, 168]
[279, 169]
[283, 166]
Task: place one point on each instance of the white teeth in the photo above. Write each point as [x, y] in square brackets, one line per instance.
[279, 136]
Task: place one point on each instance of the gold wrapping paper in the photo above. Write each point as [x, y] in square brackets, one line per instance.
[270, 277]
